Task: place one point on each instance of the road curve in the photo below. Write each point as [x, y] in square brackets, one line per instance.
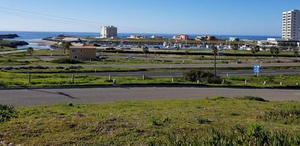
[34, 97]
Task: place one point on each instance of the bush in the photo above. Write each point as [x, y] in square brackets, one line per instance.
[66, 60]
[7, 113]
[204, 77]
[253, 98]
[2, 84]
[75, 67]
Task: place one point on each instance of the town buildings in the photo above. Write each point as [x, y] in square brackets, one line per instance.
[137, 37]
[181, 37]
[109, 32]
[291, 25]
[205, 38]
[82, 52]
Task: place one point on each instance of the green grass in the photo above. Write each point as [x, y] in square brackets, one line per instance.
[11, 80]
[72, 69]
[216, 121]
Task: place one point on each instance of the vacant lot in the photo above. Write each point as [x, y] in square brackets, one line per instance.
[215, 121]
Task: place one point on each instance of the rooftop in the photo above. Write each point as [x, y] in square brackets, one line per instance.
[83, 47]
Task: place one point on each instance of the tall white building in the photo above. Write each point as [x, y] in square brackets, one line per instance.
[291, 25]
[109, 32]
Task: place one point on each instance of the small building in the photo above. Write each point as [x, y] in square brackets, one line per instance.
[181, 37]
[156, 37]
[234, 39]
[82, 52]
[137, 37]
[205, 38]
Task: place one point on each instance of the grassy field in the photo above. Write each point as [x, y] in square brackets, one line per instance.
[214, 121]
[43, 57]
[11, 80]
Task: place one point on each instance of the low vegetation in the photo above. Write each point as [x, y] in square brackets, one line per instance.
[211, 121]
[12, 77]
[66, 61]
[203, 77]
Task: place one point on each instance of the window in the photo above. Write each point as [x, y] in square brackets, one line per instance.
[81, 51]
[75, 57]
[74, 50]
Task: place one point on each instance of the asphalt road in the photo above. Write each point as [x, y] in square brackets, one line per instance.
[180, 73]
[157, 66]
[34, 97]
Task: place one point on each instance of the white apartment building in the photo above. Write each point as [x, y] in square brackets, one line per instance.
[109, 32]
[291, 25]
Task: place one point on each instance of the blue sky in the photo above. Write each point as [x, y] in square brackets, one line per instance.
[218, 17]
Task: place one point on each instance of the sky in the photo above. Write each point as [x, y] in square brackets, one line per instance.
[215, 17]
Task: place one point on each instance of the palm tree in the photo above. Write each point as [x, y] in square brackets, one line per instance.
[145, 51]
[30, 50]
[187, 53]
[235, 47]
[65, 46]
[274, 50]
[255, 49]
[215, 51]
[296, 51]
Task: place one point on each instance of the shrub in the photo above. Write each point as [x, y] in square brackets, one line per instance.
[2, 84]
[60, 67]
[6, 113]
[75, 67]
[204, 77]
[253, 98]
[66, 60]
[70, 104]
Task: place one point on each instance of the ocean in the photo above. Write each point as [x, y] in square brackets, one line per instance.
[31, 36]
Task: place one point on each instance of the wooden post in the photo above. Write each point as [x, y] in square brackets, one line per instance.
[245, 82]
[198, 81]
[29, 78]
[172, 80]
[223, 81]
[143, 77]
[109, 77]
[265, 83]
[280, 83]
[72, 79]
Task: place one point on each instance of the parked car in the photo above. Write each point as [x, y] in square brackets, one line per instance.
[130, 57]
[102, 57]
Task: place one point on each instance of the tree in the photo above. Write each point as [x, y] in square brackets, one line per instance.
[187, 53]
[215, 51]
[30, 50]
[145, 51]
[65, 46]
[296, 51]
[255, 49]
[235, 47]
[274, 50]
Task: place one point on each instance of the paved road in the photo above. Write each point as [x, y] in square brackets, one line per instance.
[157, 66]
[180, 73]
[33, 97]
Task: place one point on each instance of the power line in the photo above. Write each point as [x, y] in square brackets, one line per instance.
[29, 14]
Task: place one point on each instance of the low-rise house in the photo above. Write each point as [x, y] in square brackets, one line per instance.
[82, 52]
[137, 37]
[205, 38]
[156, 37]
[181, 37]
